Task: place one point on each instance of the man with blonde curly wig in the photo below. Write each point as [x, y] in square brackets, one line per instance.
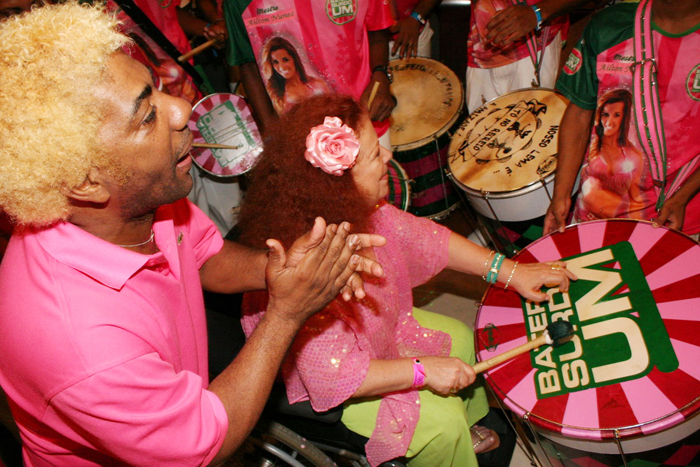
[103, 341]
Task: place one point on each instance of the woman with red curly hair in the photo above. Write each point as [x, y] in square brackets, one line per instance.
[403, 374]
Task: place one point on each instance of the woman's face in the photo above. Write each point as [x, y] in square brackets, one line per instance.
[611, 118]
[283, 63]
[370, 172]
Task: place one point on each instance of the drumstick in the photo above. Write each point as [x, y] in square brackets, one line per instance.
[214, 146]
[557, 333]
[195, 51]
[372, 94]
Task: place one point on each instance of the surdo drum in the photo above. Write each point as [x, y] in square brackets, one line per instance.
[504, 155]
[626, 389]
[429, 104]
[225, 119]
[399, 186]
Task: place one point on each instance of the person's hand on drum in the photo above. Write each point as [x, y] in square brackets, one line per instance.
[672, 214]
[447, 375]
[406, 33]
[510, 24]
[382, 103]
[555, 218]
[529, 278]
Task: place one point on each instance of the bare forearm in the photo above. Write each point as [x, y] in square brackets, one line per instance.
[466, 256]
[385, 376]
[573, 140]
[263, 112]
[244, 386]
[378, 48]
[236, 268]
[425, 7]
[192, 25]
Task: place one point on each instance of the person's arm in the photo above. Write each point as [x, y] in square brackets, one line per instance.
[409, 28]
[516, 21]
[672, 213]
[237, 268]
[383, 102]
[260, 103]
[443, 375]
[527, 279]
[217, 29]
[294, 295]
[574, 133]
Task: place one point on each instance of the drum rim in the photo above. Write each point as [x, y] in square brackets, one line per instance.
[530, 187]
[404, 183]
[466, 121]
[546, 424]
[257, 150]
[428, 139]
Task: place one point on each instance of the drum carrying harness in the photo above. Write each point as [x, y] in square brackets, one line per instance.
[647, 109]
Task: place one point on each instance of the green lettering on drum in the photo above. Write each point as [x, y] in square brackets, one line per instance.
[619, 333]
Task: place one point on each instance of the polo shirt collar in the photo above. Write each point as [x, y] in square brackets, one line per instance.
[105, 262]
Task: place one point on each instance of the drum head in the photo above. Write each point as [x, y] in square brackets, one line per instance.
[509, 143]
[225, 119]
[632, 366]
[429, 100]
[399, 187]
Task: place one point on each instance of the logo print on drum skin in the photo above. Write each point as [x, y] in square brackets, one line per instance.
[620, 335]
[235, 135]
[341, 11]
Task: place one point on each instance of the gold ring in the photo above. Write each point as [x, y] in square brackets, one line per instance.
[556, 267]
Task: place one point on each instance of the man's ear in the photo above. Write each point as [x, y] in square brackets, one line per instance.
[92, 190]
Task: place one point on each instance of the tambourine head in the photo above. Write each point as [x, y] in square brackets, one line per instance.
[225, 119]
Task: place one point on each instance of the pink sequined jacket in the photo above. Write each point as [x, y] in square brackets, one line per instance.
[330, 356]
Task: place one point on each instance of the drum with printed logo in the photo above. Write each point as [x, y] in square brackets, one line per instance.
[399, 186]
[505, 154]
[429, 105]
[224, 119]
[626, 389]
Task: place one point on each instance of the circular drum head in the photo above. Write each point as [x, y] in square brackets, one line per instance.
[225, 119]
[632, 366]
[508, 143]
[429, 100]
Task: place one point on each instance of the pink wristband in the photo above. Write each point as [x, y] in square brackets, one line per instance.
[418, 374]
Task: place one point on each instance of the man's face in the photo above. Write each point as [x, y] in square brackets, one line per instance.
[145, 132]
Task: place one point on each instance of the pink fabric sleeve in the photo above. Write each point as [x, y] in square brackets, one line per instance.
[205, 237]
[327, 359]
[424, 243]
[378, 15]
[143, 413]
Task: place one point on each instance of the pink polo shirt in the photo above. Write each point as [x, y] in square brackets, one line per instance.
[104, 351]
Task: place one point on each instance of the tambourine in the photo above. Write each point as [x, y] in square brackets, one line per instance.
[225, 124]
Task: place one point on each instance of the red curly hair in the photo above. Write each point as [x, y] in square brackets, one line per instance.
[286, 193]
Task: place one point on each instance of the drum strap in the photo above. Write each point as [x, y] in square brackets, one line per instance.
[647, 108]
[531, 42]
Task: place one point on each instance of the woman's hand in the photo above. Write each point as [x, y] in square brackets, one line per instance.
[528, 278]
[447, 375]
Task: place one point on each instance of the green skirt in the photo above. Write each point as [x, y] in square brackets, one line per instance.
[442, 436]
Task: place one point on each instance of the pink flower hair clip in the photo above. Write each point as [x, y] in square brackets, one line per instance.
[332, 147]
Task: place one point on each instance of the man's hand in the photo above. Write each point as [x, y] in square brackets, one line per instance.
[383, 103]
[511, 24]
[218, 32]
[317, 268]
[555, 219]
[407, 31]
[672, 214]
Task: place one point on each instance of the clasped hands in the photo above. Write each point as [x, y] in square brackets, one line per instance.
[318, 266]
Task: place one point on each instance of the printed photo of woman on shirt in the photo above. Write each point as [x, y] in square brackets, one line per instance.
[286, 79]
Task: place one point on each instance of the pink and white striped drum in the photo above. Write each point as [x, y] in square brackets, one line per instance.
[225, 119]
[626, 389]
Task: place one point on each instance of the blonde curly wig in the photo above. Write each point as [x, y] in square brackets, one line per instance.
[50, 60]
